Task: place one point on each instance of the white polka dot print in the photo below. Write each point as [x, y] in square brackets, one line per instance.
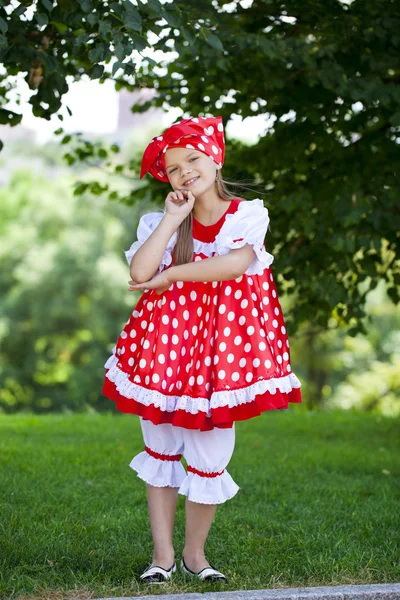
[230, 358]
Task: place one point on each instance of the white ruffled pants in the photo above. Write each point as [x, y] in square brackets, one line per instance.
[207, 454]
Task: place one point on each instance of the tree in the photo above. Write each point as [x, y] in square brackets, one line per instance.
[327, 75]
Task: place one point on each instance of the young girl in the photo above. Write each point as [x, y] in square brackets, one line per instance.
[206, 344]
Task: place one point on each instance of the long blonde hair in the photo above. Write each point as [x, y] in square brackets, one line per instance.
[183, 251]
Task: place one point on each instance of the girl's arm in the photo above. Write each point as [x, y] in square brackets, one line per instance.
[217, 268]
[148, 257]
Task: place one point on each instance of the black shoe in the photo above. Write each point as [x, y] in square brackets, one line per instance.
[209, 574]
[156, 575]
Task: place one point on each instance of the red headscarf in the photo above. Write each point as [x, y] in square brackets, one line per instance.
[207, 135]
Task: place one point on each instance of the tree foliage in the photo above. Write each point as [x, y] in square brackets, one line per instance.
[326, 74]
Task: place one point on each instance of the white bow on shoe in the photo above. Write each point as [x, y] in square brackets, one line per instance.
[209, 574]
[156, 575]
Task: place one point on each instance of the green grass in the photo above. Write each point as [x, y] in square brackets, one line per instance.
[318, 505]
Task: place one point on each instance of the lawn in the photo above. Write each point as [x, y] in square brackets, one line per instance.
[318, 505]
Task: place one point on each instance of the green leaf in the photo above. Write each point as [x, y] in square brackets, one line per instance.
[172, 15]
[155, 7]
[151, 61]
[3, 42]
[213, 41]
[133, 20]
[61, 27]
[42, 19]
[188, 34]
[395, 119]
[3, 26]
[99, 52]
[92, 18]
[105, 28]
[47, 5]
[86, 5]
[117, 8]
[8, 117]
[139, 43]
[96, 71]
[120, 52]
[117, 65]
[19, 11]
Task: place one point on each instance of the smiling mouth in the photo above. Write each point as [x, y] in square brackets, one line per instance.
[190, 182]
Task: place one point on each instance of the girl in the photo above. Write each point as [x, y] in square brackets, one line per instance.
[206, 344]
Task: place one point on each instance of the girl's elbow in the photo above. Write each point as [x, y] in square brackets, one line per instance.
[137, 276]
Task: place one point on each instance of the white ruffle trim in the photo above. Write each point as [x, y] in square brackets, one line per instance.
[209, 490]
[191, 405]
[147, 225]
[157, 472]
[248, 225]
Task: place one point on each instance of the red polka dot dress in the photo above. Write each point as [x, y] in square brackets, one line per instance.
[206, 354]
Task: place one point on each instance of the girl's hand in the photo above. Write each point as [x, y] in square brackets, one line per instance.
[159, 282]
[179, 203]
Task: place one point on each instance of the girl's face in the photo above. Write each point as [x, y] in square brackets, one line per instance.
[185, 164]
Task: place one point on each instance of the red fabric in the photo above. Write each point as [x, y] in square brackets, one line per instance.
[203, 473]
[201, 338]
[170, 457]
[200, 133]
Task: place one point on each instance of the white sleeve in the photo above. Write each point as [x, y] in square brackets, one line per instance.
[248, 225]
[147, 225]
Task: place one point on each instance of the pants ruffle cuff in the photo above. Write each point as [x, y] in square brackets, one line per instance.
[209, 490]
[158, 472]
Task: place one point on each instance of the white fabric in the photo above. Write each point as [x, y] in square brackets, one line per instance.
[250, 222]
[171, 403]
[147, 225]
[206, 451]
[156, 472]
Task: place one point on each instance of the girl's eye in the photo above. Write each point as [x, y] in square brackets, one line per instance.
[191, 160]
